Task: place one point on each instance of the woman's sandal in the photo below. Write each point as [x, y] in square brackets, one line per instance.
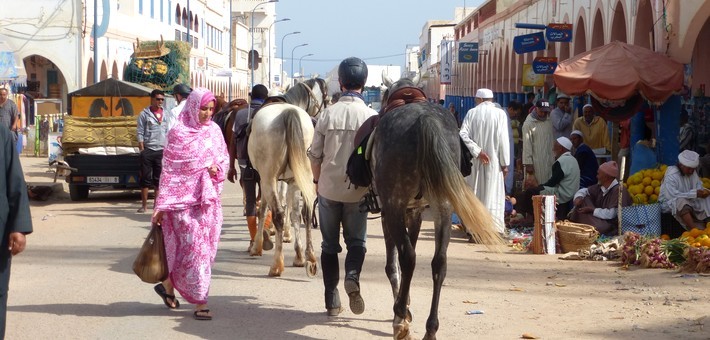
[202, 314]
[160, 289]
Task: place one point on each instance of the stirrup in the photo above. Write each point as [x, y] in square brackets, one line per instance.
[369, 202]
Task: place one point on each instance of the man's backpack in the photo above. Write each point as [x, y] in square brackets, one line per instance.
[358, 167]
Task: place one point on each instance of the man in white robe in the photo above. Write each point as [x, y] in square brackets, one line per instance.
[538, 139]
[682, 193]
[484, 130]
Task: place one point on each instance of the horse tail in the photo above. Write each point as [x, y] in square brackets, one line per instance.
[442, 181]
[297, 157]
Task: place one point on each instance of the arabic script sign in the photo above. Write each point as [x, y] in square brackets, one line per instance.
[559, 32]
[544, 65]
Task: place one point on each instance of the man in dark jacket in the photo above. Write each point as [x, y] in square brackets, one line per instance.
[15, 217]
[587, 160]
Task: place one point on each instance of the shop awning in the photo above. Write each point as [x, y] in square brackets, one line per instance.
[618, 71]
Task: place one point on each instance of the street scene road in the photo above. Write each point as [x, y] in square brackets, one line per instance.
[74, 281]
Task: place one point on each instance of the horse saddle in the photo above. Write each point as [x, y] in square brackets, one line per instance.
[403, 96]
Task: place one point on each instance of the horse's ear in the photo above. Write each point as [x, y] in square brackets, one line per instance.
[386, 80]
[416, 79]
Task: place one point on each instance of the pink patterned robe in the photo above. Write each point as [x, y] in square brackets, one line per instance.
[190, 198]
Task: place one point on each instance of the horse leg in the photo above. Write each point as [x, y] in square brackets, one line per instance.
[312, 264]
[295, 220]
[284, 196]
[391, 264]
[395, 223]
[442, 234]
[278, 221]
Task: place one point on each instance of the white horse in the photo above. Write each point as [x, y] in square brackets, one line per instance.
[280, 136]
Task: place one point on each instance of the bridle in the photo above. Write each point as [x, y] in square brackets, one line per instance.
[312, 96]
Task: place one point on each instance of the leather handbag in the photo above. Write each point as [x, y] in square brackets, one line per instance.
[151, 264]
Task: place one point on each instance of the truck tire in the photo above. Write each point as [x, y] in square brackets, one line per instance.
[78, 192]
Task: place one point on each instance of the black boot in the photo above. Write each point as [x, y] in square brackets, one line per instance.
[353, 267]
[331, 277]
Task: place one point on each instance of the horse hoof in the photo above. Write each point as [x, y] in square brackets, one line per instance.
[287, 240]
[409, 316]
[254, 252]
[312, 269]
[275, 272]
[401, 332]
[299, 263]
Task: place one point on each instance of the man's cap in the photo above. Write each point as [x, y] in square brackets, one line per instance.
[610, 168]
[689, 158]
[561, 95]
[576, 132]
[565, 142]
[484, 94]
[543, 105]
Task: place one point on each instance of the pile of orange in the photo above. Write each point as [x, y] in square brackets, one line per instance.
[645, 185]
[697, 237]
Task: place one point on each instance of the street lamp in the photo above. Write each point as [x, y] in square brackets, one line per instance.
[282, 56]
[272, 24]
[253, 61]
[294, 48]
[300, 70]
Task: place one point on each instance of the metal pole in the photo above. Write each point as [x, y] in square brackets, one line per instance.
[300, 69]
[272, 24]
[96, 37]
[251, 29]
[229, 87]
[189, 23]
[294, 48]
[282, 55]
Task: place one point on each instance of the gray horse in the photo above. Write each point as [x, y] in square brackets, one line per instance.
[415, 163]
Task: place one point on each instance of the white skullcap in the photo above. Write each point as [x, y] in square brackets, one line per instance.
[586, 106]
[565, 142]
[484, 94]
[576, 132]
[689, 158]
[561, 95]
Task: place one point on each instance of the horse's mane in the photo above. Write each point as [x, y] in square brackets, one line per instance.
[299, 96]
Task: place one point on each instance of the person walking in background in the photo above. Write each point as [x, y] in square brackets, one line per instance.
[9, 114]
[189, 206]
[14, 214]
[452, 109]
[586, 159]
[514, 110]
[561, 116]
[537, 143]
[484, 131]
[686, 136]
[181, 92]
[338, 201]
[151, 140]
[249, 176]
[594, 128]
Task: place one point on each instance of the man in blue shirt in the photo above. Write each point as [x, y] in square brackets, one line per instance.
[151, 138]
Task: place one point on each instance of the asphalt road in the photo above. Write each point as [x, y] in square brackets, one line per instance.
[75, 281]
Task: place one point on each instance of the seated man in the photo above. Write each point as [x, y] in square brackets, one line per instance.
[682, 192]
[587, 160]
[563, 183]
[597, 204]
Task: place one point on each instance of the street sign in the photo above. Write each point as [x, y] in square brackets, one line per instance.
[544, 65]
[559, 32]
[529, 43]
[468, 52]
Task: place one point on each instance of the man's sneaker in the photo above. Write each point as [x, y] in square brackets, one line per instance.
[357, 304]
[334, 311]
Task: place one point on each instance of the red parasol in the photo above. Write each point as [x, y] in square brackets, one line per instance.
[617, 71]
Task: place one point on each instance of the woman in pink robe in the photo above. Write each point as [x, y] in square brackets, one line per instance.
[189, 206]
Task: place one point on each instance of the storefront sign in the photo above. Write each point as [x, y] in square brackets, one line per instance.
[468, 52]
[529, 43]
[446, 62]
[544, 65]
[559, 32]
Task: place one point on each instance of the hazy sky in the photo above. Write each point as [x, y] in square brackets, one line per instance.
[376, 31]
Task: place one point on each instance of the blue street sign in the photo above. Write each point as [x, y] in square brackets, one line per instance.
[468, 52]
[544, 65]
[529, 43]
[559, 32]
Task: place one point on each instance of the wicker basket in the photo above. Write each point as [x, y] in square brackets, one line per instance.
[575, 236]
